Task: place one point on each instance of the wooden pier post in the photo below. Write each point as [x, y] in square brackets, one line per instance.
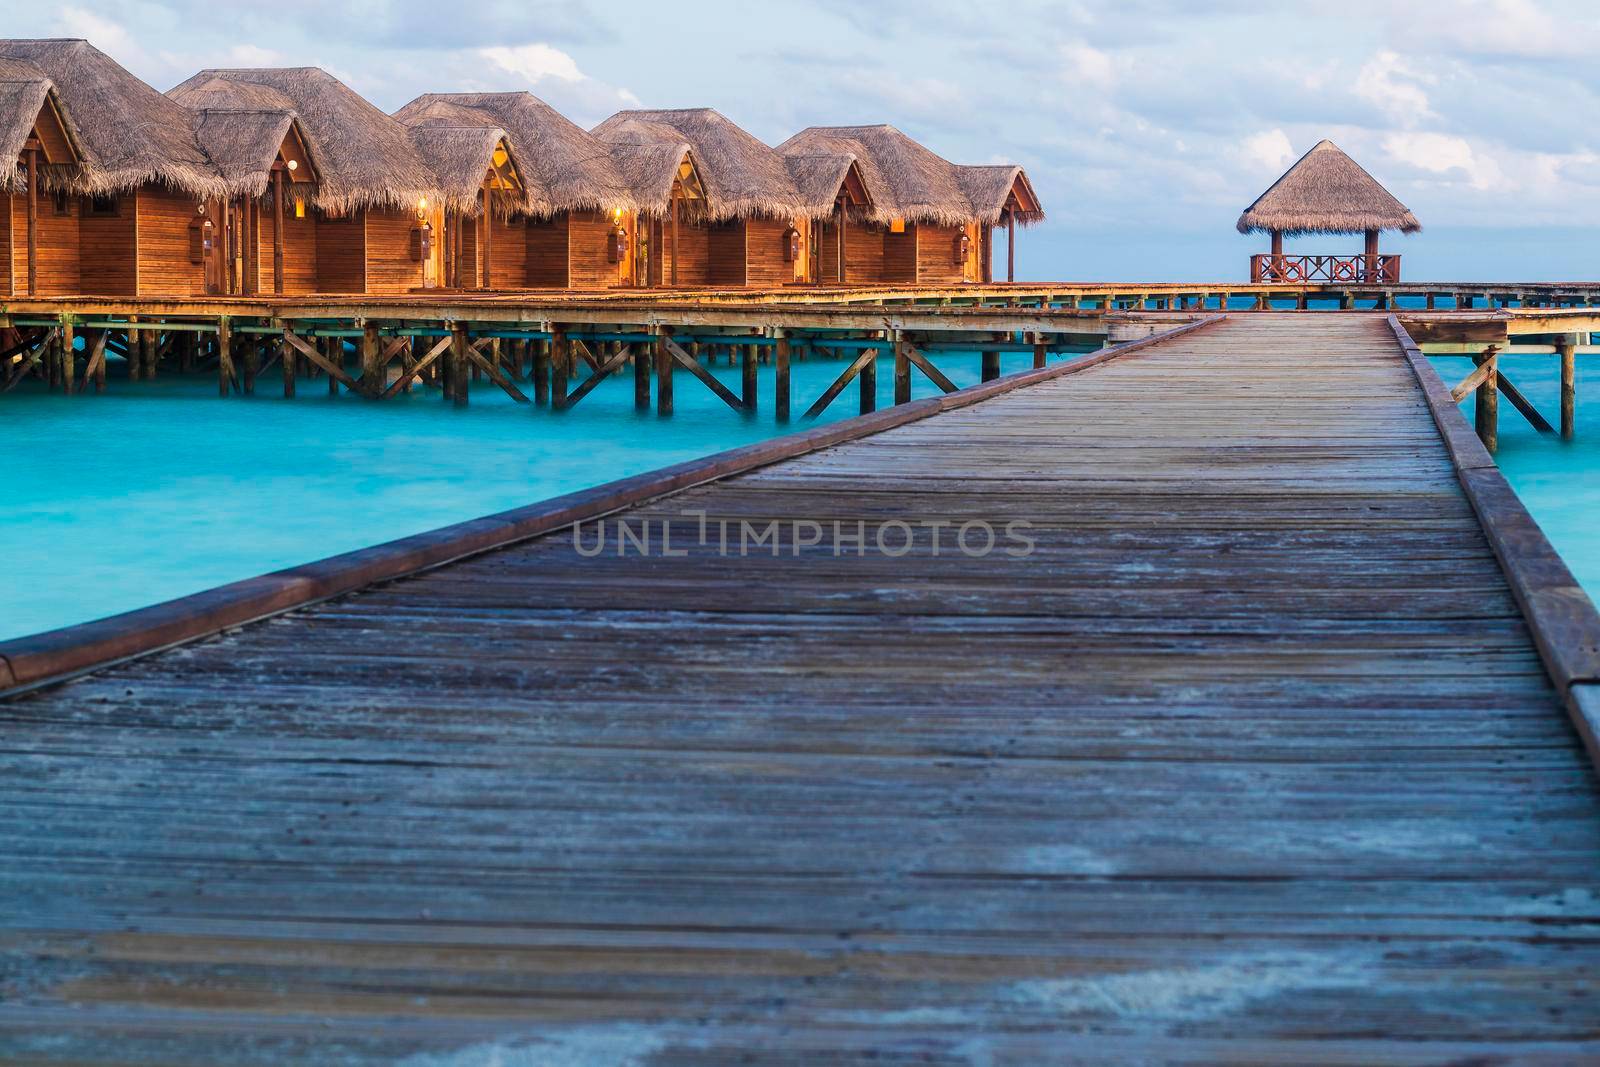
[1569, 385]
[1486, 413]
[459, 379]
[333, 348]
[224, 356]
[641, 377]
[663, 371]
[69, 368]
[97, 360]
[252, 363]
[1040, 356]
[780, 365]
[541, 371]
[371, 369]
[33, 217]
[902, 369]
[991, 365]
[747, 376]
[869, 383]
[150, 353]
[286, 355]
[131, 347]
[560, 366]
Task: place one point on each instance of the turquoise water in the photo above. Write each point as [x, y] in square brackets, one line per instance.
[1559, 481]
[154, 490]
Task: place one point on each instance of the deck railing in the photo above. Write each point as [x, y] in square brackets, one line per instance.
[1380, 270]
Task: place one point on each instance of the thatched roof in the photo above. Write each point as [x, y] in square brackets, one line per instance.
[819, 179]
[24, 91]
[563, 167]
[460, 156]
[907, 181]
[1327, 192]
[245, 144]
[364, 157]
[743, 176]
[127, 133]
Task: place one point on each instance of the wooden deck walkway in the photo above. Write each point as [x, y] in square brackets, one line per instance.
[1251, 761]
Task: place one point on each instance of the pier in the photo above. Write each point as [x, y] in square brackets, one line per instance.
[1270, 748]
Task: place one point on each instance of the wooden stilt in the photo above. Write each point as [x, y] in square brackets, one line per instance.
[747, 376]
[33, 219]
[224, 356]
[991, 365]
[69, 356]
[663, 370]
[869, 384]
[1569, 385]
[902, 369]
[334, 347]
[1486, 413]
[780, 364]
[541, 372]
[97, 360]
[252, 364]
[287, 354]
[1040, 355]
[641, 377]
[560, 366]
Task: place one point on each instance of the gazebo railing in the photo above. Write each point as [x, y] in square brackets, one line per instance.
[1380, 270]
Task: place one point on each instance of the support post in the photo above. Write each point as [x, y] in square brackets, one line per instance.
[1569, 385]
[641, 377]
[747, 376]
[991, 365]
[663, 371]
[460, 380]
[1011, 245]
[560, 366]
[869, 384]
[1371, 265]
[334, 348]
[252, 363]
[485, 276]
[541, 371]
[902, 369]
[224, 356]
[33, 221]
[286, 356]
[277, 231]
[69, 369]
[780, 364]
[1040, 356]
[133, 350]
[676, 211]
[1486, 413]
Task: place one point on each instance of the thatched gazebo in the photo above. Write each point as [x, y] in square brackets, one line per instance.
[122, 218]
[1326, 192]
[932, 219]
[588, 205]
[373, 189]
[760, 208]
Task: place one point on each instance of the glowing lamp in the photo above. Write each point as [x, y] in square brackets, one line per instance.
[897, 225]
[293, 165]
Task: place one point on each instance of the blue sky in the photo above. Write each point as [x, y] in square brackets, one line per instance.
[1146, 125]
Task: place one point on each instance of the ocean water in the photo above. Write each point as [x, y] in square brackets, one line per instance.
[154, 490]
[1559, 481]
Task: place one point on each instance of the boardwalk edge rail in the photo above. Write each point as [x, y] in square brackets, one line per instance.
[1562, 617]
[56, 655]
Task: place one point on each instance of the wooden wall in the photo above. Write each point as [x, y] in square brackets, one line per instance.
[936, 255]
[299, 250]
[725, 254]
[694, 253]
[163, 219]
[390, 268]
[863, 250]
[106, 248]
[341, 245]
[546, 257]
[900, 255]
[508, 255]
[56, 241]
[589, 265]
[764, 262]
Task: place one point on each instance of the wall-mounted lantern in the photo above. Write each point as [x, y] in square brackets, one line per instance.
[791, 245]
[963, 248]
[617, 245]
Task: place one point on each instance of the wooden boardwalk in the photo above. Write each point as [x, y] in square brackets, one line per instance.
[1252, 760]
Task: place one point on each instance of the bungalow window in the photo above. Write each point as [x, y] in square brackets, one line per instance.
[104, 207]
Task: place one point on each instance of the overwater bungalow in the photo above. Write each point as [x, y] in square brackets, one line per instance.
[592, 212]
[38, 244]
[369, 210]
[931, 221]
[1326, 192]
[480, 191]
[119, 214]
[762, 206]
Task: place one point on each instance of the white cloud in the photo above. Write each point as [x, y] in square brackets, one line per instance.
[1087, 65]
[535, 62]
[1269, 150]
[249, 55]
[1444, 154]
[1395, 87]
